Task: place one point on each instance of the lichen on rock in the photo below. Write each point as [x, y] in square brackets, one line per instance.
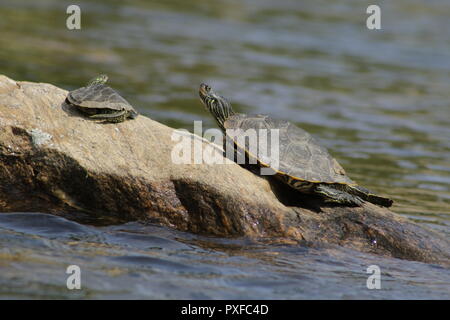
[39, 137]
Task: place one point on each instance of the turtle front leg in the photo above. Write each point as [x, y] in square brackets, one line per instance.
[114, 117]
[334, 195]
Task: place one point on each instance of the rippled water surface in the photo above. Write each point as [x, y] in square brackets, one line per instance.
[138, 261]
[379, 100]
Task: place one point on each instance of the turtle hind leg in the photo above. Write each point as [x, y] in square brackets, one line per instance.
[381, 201]
[114, 117]
[337, 196]
[132, 114]
[369, 196]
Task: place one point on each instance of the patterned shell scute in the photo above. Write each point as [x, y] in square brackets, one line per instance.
[300, 156]
[99, 96]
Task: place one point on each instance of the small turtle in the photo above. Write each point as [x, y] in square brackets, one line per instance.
[303, 164]
[101, 102]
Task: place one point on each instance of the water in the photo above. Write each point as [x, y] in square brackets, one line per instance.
[377, 99]
[143, 261]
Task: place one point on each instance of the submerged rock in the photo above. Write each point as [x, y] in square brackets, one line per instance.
[53, 159]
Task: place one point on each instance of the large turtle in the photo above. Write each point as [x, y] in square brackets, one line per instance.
[302, 164]
[101, 102]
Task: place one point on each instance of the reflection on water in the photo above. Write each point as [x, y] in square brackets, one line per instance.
[377, 100]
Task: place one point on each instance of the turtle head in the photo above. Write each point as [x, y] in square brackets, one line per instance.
[219, 107]
[100, 79]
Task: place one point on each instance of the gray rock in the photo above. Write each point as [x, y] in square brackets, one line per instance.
[53, 159]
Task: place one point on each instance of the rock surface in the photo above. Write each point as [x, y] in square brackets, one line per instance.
[53, 159]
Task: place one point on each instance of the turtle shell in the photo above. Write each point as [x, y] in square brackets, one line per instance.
[98, 96]
[300, 156]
